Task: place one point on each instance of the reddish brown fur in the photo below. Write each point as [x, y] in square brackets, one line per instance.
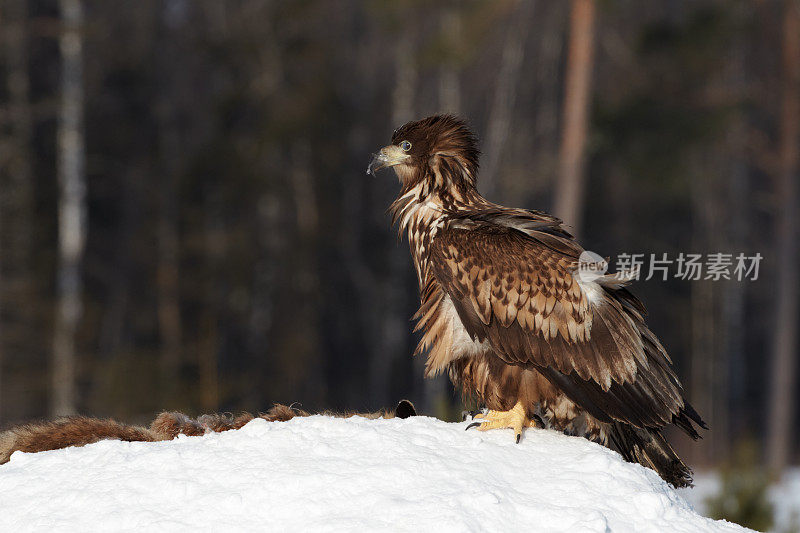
[169, 425]
[69, 431]
[80, 430]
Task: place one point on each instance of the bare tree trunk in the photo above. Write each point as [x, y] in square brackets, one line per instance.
[303, 189]
[570, 187]
[505, 93]
[172, 94]
[782, 391]
[71, 209]
[704, 316]
[208, 340]
[307, 274]
[168, 274]
[702, 328]
[271, 243]
[4, 154]
[16, 183]
[733, 167]
[702, 362]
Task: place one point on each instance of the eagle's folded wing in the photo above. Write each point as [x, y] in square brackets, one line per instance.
[515, 287]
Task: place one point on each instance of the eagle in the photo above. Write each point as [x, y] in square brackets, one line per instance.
[505, 312]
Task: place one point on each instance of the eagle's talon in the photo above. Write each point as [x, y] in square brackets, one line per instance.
[516, 419]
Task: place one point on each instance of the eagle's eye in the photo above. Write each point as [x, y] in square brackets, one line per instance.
[405, 145]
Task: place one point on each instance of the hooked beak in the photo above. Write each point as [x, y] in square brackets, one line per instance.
[388, 156]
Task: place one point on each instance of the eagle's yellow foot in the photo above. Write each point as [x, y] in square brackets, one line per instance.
[514, 419]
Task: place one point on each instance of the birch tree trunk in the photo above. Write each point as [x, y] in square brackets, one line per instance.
[71, 209]
[570, 187]
[784, 366]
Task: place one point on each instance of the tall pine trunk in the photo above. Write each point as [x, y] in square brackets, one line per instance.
[784, 367]
[570, 187]
[71, 209]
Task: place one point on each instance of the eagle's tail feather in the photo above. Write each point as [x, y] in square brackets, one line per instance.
[648, 447]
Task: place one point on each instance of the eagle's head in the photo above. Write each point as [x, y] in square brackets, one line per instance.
[439, 152]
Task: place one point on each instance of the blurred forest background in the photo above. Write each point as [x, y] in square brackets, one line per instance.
[186, 223]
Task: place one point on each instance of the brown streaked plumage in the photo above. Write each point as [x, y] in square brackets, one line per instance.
[503, 313]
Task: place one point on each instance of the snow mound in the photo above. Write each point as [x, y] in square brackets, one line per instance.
[331, 474]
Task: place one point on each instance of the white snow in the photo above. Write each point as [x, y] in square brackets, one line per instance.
[332, 474]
